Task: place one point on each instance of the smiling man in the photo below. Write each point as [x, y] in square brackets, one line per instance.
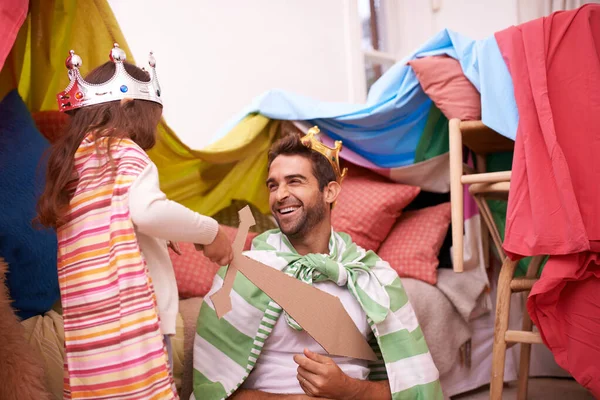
[257, 351]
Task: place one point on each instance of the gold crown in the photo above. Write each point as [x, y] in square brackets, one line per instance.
[310, 140]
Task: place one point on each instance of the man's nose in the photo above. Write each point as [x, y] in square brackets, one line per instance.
[282, 193]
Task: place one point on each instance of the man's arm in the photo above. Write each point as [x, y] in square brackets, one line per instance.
[320, 376]
[368, 390]
[258, 395]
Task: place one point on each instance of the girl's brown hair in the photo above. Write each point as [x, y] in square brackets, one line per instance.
[134, 119]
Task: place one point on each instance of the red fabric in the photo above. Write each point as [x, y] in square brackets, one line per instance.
[443, 80]
[51, 123]
[554, 201]
[413, 245]
[193, 271]
[369, 205]
[12, 15]
[565, 306]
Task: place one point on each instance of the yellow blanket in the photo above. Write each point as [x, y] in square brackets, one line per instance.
[234, 168]
[206, 181]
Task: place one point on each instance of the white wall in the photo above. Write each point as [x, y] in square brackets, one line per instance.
[215, 56]
[530, 9]
[417, 21]
[409, 23]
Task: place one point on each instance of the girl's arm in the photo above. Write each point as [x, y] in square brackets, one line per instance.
[155, 215]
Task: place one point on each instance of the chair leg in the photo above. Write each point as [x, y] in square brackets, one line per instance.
[524, 360]
[487, 217]
[456, 194]
[525, 357]
[485, 233]
[500, 327]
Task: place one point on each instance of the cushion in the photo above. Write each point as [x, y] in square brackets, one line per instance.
[413, 245]
[51, 123]
[443, 80]
[429, 199]
[193, 271]
[29, 252]
[46, 336]
[369, 205]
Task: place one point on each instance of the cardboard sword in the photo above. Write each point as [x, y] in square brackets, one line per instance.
[320, 314]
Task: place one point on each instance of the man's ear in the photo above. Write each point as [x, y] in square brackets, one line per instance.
[331, 192]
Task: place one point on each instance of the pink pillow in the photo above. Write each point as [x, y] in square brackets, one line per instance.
[193, 271]
[413, 245]
[443, 80]
[51, 123]
[369, 205]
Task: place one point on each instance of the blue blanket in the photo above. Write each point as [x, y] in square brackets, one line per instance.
[387, 128]
[30, 253]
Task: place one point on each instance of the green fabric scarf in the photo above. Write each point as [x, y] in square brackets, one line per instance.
[226, 350]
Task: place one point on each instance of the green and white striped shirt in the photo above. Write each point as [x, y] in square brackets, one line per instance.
[226, 350]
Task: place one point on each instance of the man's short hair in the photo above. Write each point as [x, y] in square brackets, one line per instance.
[290, 145]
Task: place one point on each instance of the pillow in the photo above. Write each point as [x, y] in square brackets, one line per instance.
[51, 124]
[193, 271]
[369, 205]
[429, 199]
[29, 252]
[443, 80]
[413, 245]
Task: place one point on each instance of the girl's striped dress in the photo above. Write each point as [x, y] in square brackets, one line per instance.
[114, 347]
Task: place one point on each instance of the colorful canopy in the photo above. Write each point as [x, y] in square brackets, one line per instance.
[395, 129]
[398, 132]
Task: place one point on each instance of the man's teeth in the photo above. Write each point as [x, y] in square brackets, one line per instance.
[287, 210]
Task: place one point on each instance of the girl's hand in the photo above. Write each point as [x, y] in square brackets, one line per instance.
[219, 251]
[174, 246]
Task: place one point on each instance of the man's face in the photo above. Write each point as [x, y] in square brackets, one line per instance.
[294, 196]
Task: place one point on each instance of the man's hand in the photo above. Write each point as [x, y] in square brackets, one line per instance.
[320, 376]
[219, 251]
[175, 247]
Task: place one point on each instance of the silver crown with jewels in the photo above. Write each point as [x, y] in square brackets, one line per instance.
[80, 93]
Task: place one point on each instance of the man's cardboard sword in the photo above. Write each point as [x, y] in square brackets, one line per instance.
[320, 314]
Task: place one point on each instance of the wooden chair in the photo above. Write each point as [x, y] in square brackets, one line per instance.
[482, 140]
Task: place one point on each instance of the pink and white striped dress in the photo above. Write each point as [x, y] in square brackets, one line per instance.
[114, 347]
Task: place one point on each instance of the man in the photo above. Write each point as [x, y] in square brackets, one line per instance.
[257, 351]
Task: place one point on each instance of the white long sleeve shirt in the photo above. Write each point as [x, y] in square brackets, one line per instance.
[156, 220]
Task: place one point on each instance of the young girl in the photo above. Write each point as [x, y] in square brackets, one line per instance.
[103, 198]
